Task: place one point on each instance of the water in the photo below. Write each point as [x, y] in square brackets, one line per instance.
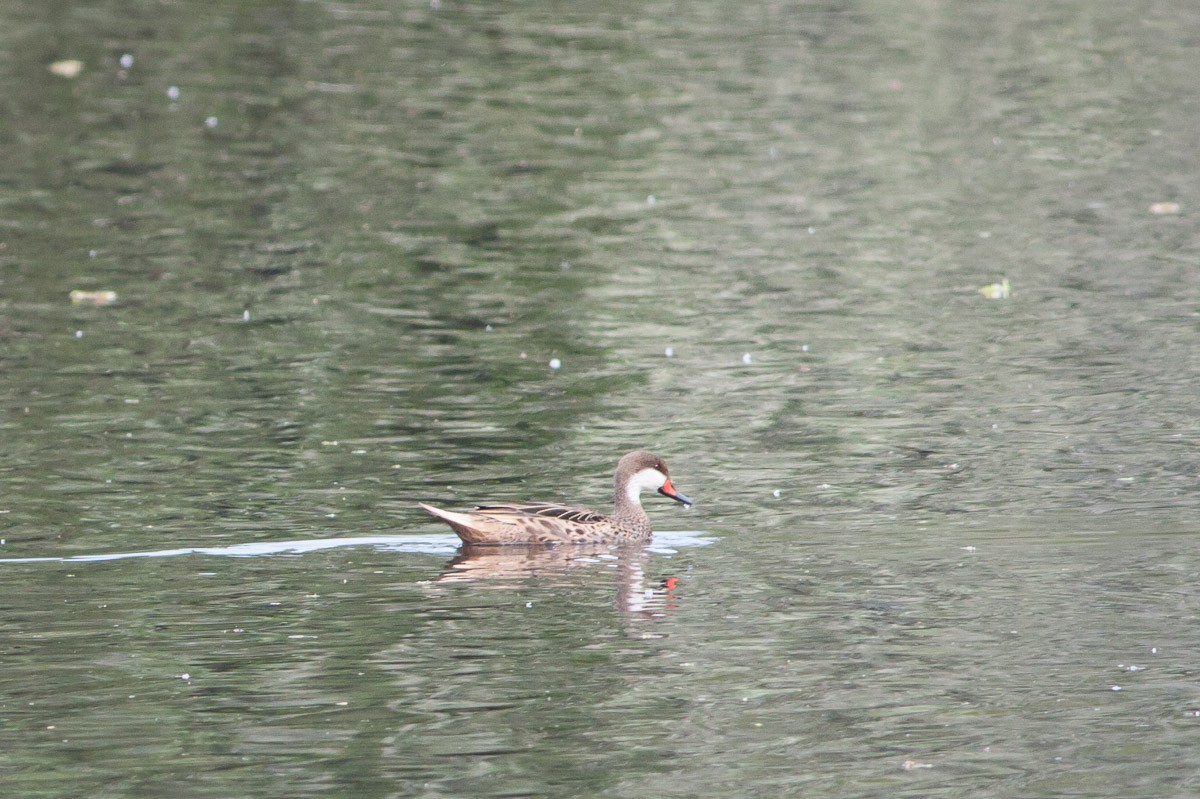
[372, 254]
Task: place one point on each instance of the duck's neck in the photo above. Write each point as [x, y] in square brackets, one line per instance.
[627, 507]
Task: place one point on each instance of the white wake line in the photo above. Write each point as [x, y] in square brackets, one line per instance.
[665, 543]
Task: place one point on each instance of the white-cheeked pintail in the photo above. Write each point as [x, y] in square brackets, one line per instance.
[550, 523]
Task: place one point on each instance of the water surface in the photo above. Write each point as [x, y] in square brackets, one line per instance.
[947, 540]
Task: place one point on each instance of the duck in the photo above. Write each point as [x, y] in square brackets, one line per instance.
[551, 523]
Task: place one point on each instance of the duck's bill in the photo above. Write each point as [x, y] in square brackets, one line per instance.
[668, 490]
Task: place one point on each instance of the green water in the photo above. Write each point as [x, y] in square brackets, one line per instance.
[944, 545]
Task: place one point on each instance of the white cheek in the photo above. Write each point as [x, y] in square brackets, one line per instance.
[645, 480]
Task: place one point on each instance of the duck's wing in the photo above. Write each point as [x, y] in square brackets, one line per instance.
[532, 523]
[511, 513]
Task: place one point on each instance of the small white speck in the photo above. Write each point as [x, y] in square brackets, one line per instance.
[746, 359]
[996, 141]
[172, 92]
[669, 352]
[776, 493]
[555, 363]
[651, 200]
[126, 61]
[967, 548]
[435, 4]
[528, 604]
[184, 676]
[78, 334]
[772, 153]
[995, 426]
[804, 348]
[91, 253]
[246, 315]
[1153, 650]
[811, 230]
[488, 328]
[565, 266]
[1115, 688]
[211, 122]
[330, 515]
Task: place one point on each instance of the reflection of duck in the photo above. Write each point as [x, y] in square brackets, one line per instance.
[479, 563]
[507, 567]
[548, 523]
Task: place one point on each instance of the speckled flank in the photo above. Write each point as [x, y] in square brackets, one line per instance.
[549, 523]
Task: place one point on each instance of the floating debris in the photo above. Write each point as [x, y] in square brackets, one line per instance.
[126, 61]
[1163, 209]
[172, 92]
[210, 123]
[747, 359]
[912, 765]
[669, 352]
[79, 297]
[997, 291]
[67, 68]
[555, 363]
